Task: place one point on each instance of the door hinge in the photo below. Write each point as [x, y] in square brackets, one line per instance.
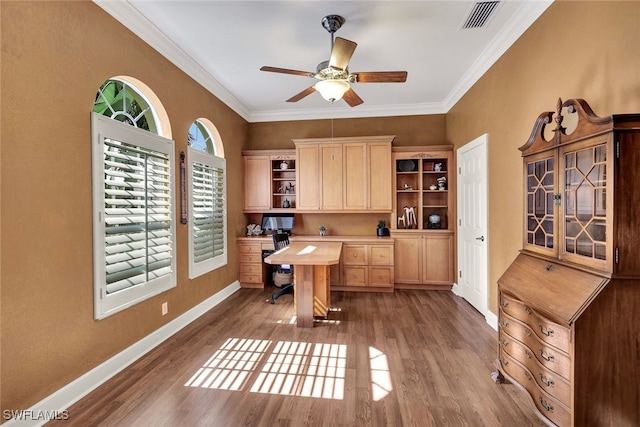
[617, 149]
[459, 170]
[617, 256]
[460, 273]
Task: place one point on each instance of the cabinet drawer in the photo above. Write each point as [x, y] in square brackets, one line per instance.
[547, 380]
[548, 331]
[548, 356]
[250, 268]
[250, 278]
[251, 258]
[250, 248]
[381, 276]
[355, 276]
[354, 255]
[380, 255]
[548, 406]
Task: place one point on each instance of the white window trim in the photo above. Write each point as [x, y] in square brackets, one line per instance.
[200, 268]
[107, 304]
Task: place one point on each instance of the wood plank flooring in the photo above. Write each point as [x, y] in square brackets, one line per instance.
[410, 358]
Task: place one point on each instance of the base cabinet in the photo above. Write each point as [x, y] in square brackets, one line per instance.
[424, 260]
[250, 266]
[367, 267]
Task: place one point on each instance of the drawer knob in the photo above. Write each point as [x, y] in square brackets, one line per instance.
[527, 353]
[505, 324]
[504, 362]
[505, 304]
[549, 267]
[504, 343]
[545, 331]
[545, 405]
[528, 310]
[545, 381]
[545, 356]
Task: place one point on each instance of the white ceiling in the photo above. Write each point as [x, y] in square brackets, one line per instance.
[223, 44]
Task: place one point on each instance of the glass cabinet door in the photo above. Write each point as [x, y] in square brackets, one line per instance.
[584, 207]
[540, 224]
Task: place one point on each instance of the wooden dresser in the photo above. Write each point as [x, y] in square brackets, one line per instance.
[569, 319]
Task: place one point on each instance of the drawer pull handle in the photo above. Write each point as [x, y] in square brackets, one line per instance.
[528, 332]
[528, 375]
[545, 381]
[547, 357]
[545, 405]
[528, 310]
[505, 304]
[549, 267]
[545, 331]
[504, 343]
[504, 362]
[528, 353]
[505, 324]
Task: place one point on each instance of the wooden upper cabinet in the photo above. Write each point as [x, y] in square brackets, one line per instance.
[307, 157]
[344, 174]
[257, 183]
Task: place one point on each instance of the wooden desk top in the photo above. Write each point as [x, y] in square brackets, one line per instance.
[307, 253]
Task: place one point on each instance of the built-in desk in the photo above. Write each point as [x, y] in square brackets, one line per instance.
[311, 275]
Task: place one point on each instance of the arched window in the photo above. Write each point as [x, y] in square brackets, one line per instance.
[133, 197]
[207, 199]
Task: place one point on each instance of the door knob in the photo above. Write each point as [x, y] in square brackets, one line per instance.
[481, 238]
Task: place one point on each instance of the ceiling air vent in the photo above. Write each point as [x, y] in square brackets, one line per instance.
[480, 14]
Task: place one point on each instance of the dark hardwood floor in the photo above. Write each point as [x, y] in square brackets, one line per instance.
[410, 358]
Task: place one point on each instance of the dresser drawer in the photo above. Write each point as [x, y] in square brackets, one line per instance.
[546, 380]
[355, 276]
[251, 258]
[548, 406]
[250, 278]
[548, 356]
[381, 255]
[250, 248]
[548, 331]
[250, 268]
[354, 255]
[381, 276]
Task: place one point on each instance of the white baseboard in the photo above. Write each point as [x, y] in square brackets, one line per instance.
[60, 400]
[492, 320]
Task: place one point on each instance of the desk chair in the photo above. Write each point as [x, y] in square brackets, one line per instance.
[280, 240]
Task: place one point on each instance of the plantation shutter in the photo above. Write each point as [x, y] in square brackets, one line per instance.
[208, 212]
[137, 215]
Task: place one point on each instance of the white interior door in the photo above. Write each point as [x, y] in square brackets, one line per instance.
[472, 281]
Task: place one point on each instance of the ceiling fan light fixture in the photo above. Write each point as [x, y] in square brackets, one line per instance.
[332, 90]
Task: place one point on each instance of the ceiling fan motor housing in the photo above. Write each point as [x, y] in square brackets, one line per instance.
[332, 23]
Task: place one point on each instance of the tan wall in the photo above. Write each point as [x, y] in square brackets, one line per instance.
[574, 50]
[55, 55]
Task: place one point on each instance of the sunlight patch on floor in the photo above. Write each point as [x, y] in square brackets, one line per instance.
[380, 376]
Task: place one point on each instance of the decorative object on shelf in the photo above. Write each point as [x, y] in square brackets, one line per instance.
[434, 221]
[407, 166]
[284, 165]
[382, 228]
[433, 187]
[408, 187]
[286, 203]
[409, 217]
[442, 183]
[254, 230]
[437, 167]
[401, 223]
[290, 188]
[322, 230]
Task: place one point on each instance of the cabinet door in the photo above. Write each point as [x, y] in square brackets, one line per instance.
[257, 183]
[408, 259]
[540, 231]
[330, 183]
[355, 176]
[379, 168]
[308, 192]
[438, 259]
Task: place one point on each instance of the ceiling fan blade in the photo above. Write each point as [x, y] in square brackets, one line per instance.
[297, 97]
[381, 76]
[287, 71]
[341, 53]
[352, 98]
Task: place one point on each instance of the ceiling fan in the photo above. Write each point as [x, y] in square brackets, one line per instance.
[334, 77]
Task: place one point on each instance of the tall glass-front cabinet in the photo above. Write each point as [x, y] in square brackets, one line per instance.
[569, 304]
[423, 220]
